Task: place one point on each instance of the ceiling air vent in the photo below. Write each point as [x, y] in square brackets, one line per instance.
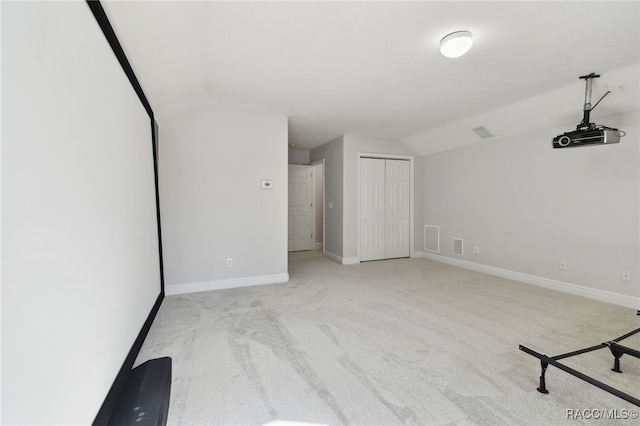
[483, 132]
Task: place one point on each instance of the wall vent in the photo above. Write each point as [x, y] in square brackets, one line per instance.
[458, 245]
[432, 238]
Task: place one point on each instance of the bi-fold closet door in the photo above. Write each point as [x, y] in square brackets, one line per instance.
[384, 208]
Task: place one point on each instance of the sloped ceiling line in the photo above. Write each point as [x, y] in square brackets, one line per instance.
[372, 67]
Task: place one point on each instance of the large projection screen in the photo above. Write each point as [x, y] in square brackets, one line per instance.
[80, 246]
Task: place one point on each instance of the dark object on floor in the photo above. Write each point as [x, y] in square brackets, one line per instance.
[145, 399]
[616, 350]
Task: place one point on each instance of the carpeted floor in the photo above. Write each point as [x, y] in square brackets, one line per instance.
[406, 341]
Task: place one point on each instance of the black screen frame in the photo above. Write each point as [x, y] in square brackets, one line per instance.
[109, 404]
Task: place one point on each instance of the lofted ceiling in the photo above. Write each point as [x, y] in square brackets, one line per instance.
[371, 68]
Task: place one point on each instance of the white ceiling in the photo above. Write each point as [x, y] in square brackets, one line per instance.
[372, 68]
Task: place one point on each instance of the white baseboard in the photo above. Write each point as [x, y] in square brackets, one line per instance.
[317, 246]
[591, 293]
[332, 256]
[173, 289]
[340, 259]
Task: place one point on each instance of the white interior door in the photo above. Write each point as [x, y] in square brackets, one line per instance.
[372, 209]
[384, 208]
[397, 208]
[300, 204]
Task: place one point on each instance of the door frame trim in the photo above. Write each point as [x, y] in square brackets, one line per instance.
[411, 160]
[311, 229]
[319, 162]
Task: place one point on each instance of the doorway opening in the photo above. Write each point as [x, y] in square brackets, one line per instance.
[306, 207]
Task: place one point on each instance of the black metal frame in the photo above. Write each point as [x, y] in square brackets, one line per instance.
[617, 351]
[120, 381]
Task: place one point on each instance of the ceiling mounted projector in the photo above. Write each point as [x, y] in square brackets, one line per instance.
[588, 133]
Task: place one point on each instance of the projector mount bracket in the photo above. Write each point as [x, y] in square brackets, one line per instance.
[588, 133]
[587, 101]
[585, 124]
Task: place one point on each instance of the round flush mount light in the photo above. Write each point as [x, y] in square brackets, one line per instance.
[456, 44]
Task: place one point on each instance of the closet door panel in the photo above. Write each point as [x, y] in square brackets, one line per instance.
[372, 209]
[397, 205]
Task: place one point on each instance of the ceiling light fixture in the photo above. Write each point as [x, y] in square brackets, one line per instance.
[456, 44]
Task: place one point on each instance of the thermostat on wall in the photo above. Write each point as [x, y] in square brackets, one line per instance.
[266, 184]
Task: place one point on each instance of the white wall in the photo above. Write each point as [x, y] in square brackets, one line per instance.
[299, 156]
[354, 144]
[212, 205]
[332, 152]
[341, 190]
[528, 206]
[80, 268]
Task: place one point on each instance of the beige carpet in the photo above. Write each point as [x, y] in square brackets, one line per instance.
[406, 341]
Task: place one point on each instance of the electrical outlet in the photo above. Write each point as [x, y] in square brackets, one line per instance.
[229, 262]
[626, 275]
[563, 265]
[476, 250]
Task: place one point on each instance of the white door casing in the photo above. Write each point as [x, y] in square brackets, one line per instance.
[384, 208]
[300, 207]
